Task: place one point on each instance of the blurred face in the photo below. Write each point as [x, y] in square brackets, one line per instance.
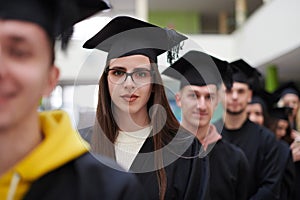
[255, 113]
[130, 92]
[291, 100]
[237, 98]
[282, 125]
[197, 104]
[26, 71]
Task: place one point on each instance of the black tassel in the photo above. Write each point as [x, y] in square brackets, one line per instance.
[173, 54]
[65, 37]
[173, 38]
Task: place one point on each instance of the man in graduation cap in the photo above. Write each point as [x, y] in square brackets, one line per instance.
[199, 76]
[257, 142]
[41, 155]
[135, 124]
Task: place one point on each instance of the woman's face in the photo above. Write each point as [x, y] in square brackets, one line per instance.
[291, 100]
[255, 113]
[130, 92]
[281, 128]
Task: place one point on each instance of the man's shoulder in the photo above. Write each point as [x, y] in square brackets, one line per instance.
[89, 176]
[102, 169]
[258, 130]
[231, 149]
[265, 132]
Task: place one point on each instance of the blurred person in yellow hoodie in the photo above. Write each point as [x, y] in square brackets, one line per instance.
[41, 155]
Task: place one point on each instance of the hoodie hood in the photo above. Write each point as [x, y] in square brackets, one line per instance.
[61, 144]
[211, 138]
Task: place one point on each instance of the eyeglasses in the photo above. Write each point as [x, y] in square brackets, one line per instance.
[119, 76]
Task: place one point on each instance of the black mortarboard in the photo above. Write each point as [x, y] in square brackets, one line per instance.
[198, 68]
[264, 98]
[287, 88]
[124, 36]
[54, 16]
[281, 113]
[245, 73]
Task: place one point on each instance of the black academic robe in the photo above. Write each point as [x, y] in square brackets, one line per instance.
[187, 173]
[86, 178]
[261, 149]
[287, 168]
[296, 190]
[229, 170]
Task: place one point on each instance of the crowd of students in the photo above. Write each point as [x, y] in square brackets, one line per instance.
[137, 149]
[278, 111]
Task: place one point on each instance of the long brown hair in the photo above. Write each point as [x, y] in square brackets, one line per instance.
[106, 128]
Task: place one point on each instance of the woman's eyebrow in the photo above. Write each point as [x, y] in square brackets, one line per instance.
[123, 68]
[117, 67]
[140, 68]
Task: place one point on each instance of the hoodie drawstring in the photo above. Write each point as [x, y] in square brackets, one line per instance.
[13, 186]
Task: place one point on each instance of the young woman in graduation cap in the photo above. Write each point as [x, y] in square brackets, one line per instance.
[258, 107]
[135, 124]
[279, 124]
[288, 95]
[42, 155]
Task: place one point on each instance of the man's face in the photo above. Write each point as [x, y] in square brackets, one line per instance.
[236, 99]
[26, 71]
[197, 104]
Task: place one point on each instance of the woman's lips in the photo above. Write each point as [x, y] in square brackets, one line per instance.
[129, 98]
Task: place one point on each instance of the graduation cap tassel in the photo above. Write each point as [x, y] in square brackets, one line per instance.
[173, 53]
[173, 40]
[65, 21]
[65, 37]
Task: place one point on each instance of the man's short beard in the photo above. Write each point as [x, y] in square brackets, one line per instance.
[235, 113]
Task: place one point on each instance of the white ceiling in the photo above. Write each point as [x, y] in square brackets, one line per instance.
[203, 6]
[288, 64]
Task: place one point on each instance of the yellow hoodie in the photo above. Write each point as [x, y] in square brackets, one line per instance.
[60, 145]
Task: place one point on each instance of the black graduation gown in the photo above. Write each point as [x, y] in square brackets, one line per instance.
[296, 190]
[187, 173]
[261, 149]
[287, 168]
[229, 170]
[86, 178]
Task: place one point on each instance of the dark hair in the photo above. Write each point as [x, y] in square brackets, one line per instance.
[106, 129]
[272, 125]
[265, 114]
[52, 52]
